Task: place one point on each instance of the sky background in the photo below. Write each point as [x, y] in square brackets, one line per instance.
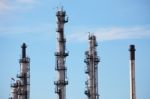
[116, 23]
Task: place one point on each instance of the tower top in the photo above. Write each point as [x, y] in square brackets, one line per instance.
[24, 46]
[61, 12]
[132, 48]
[92, 37]
[132, 52]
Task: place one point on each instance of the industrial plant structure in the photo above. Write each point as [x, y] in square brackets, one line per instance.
[92, 61]
[61, 55]
[20, 88]
[132, 72]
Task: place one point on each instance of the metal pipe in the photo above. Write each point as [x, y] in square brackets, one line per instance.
[24, 50]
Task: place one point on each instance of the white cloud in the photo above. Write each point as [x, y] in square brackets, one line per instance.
[4, 6]
[12, 5]
[113, 33]
[31, 30]
[102, 34]
[26, 1]
[38, 32]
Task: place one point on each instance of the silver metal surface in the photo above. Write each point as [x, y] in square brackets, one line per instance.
[21, 88]
[92, 61]
[61, 55]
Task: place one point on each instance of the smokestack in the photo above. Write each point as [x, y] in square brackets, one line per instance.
[132, 52]
[132, 72]
[23, 50]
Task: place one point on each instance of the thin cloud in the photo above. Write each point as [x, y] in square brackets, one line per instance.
[4, 6]
[41, 29]
[26, 1]
[13, 5]
[113, 33]
[38, 32]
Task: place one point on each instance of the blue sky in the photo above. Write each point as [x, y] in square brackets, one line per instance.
[116, 23]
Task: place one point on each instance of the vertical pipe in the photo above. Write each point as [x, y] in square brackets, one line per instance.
[132, 72]
[24, 50]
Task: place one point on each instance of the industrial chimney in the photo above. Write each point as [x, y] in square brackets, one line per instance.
[61, 55]
[92, 61]
[132, 72]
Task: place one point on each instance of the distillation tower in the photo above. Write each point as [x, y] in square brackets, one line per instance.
[92, 61]
[20, 88]
[132, 72]
[61, 55]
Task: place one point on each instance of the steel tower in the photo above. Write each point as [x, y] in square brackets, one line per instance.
[21, 87]
[132, 72]
[92, 61]
[61, 55]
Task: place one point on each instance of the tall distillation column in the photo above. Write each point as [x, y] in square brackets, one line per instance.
[92, 61]
[132, 72]
[61, 55]
[21, 87]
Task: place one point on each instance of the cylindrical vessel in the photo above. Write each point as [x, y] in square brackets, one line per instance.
[92, 69]
[61, 56]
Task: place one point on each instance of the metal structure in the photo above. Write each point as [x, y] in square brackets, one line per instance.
[21, 87]
[61, 55]
[132, 72]
[92, 61]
